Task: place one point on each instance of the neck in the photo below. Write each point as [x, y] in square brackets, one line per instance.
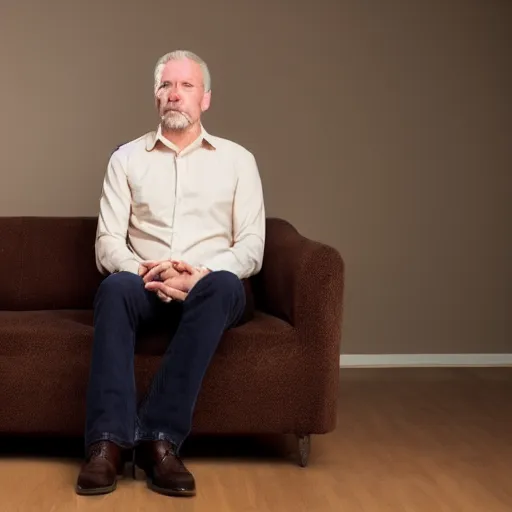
[182, 138]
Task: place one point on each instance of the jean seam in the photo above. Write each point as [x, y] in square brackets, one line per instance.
[105, 436]
[156, 436]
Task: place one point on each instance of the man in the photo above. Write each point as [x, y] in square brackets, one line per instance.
[181, 223]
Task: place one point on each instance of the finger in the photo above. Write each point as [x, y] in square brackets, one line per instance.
[156, 271]
[151, 263]
[163, 297]
[176, 264]
[169, 274]
[189, 268]
[167, 290]
[172, 293]
[178, 283]
[183, 266]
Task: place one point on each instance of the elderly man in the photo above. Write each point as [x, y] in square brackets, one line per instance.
[181, 223]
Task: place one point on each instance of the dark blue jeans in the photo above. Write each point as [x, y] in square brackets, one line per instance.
[122, 307]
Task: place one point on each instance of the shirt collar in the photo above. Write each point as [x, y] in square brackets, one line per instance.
[204, 140]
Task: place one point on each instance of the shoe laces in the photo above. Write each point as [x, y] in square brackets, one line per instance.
[171, 451]
[97, 450]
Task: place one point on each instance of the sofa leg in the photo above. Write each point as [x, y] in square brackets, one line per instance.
[304, 449]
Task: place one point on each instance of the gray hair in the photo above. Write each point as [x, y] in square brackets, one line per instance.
[179, 55]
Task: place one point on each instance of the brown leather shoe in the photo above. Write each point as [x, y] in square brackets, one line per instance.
[165, 471]
[100, 470]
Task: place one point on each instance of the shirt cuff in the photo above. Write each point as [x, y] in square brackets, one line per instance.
[225, 261]
[130, 266]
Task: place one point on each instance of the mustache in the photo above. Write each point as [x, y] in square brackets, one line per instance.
[164, 112]
[171, 109]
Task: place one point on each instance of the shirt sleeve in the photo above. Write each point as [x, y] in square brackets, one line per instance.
[245, 257]
[112, 252]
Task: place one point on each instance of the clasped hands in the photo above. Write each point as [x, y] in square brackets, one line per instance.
[170, 279]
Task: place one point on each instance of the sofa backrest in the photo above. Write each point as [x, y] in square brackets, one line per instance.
[47, 263]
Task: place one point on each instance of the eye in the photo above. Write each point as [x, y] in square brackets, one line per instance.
[163, 85]
[187, 84]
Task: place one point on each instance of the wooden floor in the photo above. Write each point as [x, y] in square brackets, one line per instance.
[411, 440]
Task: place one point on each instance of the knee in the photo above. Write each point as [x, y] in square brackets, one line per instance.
[120, 284]
[224, 282]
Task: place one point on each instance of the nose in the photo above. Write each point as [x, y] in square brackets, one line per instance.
[173, 95]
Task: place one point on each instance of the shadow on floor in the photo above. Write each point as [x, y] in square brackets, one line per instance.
[250, 449]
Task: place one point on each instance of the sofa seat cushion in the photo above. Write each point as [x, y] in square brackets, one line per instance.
[71, 331]
[45, 358]
[50, 332]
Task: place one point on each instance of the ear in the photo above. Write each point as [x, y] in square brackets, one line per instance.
[205, 102]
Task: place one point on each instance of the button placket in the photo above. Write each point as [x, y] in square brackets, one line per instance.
[175, 201]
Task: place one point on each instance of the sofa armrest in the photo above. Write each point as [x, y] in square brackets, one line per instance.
[301, 280]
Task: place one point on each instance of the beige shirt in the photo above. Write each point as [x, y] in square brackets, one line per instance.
[203, 205]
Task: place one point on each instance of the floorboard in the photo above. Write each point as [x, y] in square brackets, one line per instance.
[408, 440]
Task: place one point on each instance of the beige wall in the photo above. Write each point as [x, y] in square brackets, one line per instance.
[382, 128]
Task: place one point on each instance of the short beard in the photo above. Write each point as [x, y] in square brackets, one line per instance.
[175, 121]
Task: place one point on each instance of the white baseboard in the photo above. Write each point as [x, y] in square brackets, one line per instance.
[412, 360]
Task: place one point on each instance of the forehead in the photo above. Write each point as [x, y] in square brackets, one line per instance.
[183, 69]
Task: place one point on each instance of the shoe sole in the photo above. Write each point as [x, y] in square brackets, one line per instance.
[161, 490]
[169, 492]
[96, 491]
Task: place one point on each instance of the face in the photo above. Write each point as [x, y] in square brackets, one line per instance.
[180, 97]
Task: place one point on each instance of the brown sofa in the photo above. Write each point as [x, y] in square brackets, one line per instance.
[277, 373]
